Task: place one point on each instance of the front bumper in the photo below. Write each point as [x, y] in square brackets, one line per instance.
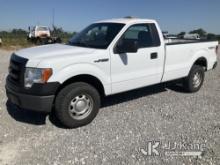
[30, 102]
[39, 97]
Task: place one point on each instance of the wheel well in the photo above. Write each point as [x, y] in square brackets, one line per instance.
[201, 62]
[95, 82]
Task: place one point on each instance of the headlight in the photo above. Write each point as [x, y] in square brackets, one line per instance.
[36, 75]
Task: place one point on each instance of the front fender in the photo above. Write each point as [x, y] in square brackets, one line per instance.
[81, 69]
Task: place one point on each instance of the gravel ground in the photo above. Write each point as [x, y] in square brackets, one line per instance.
[121, 131]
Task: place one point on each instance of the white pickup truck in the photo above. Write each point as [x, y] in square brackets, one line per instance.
[106, 58]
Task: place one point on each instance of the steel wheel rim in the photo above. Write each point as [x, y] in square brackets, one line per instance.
[80, 106]
[197, 79]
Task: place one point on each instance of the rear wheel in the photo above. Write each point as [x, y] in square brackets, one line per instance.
[194, 80]
[77, 104]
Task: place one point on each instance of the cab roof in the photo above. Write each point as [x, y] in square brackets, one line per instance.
[127, 20]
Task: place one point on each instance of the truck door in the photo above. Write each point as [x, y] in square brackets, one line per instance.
[143, 68]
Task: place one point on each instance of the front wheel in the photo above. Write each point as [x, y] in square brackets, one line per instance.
[194, 80]
[77, 104]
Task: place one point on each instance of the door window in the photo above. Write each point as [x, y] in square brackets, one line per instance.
[146, 35]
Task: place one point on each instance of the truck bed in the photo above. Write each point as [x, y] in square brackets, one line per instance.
[181, 54]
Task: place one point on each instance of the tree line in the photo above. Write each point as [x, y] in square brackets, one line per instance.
[203, 34]
[16, 33]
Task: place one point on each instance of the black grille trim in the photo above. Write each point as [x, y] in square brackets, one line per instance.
[17, 69]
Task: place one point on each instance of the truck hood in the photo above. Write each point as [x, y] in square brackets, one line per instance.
[51, 51]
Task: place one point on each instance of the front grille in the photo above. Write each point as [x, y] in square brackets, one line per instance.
[17, 69]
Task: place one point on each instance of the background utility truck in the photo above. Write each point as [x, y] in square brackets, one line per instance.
[41, 35]
[106, 58]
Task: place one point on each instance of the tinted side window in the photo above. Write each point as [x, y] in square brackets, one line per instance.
[145, 35]
[133, 31]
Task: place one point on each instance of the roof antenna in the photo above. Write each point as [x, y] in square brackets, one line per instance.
[129, 17]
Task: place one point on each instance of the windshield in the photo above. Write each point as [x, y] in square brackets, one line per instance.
[98, 35]
[42, 28]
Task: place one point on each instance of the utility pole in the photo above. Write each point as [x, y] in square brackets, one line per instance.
[53, 18]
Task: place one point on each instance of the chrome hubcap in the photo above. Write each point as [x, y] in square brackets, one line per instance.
[197, 79]
[80, 107]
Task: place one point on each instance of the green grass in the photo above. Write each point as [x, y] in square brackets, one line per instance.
[17, 38]
[11, 43]
[15, 43]
[65, 39]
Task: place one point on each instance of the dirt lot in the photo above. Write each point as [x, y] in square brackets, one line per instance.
[121, 131]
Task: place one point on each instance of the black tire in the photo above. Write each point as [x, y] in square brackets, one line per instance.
[38, 41]
[67, 95]
[44, 41]
[189, 84]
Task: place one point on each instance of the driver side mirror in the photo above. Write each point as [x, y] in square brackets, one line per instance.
[126, 46]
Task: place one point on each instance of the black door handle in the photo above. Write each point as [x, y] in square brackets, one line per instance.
[102, 60]
[153, 55]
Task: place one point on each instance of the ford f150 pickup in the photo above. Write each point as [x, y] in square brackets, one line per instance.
[106, 58]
